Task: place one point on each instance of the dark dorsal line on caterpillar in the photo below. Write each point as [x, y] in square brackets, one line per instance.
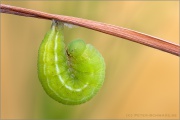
[73, 75]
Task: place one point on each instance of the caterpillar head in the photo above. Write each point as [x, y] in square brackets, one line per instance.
[76, 47]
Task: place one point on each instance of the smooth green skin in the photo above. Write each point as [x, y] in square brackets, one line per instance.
[73, 76]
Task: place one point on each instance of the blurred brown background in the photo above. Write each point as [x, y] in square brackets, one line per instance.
[140, 81]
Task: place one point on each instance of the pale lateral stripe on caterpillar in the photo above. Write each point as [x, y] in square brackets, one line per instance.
[71, 76]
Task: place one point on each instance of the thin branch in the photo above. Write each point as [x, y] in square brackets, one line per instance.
[98, 26]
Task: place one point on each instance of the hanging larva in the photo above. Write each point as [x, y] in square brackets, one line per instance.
[73, 75]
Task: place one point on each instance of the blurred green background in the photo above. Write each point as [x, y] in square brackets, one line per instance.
[139, 79]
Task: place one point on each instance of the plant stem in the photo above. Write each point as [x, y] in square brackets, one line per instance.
[98, 26]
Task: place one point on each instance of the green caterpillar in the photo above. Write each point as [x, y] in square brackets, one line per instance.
[73, 75]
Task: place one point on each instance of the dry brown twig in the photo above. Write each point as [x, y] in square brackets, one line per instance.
[98, 26]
